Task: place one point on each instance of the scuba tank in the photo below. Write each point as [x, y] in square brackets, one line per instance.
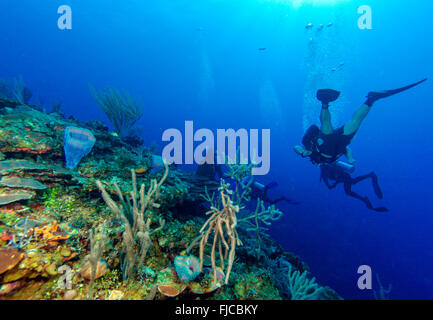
[255, 184]
[258, 185]
[347, 167]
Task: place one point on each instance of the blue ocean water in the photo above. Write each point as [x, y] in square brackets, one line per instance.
[200, 61]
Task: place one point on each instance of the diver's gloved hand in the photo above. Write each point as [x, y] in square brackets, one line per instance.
[302, 151]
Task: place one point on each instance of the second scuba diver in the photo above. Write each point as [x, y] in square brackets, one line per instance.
[339, 172]
[327, 145]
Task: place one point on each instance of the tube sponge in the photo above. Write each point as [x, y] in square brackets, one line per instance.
[78, 143]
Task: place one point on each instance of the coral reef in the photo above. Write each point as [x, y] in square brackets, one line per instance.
[60, 239]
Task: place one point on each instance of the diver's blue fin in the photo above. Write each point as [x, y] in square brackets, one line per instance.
[374, 96]
[327, 95]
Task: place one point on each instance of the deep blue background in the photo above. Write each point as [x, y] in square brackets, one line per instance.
[199, 60]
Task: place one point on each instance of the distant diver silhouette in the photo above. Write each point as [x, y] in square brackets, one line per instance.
[212, 171]
[339, 175]
[327, 145]
[260, 191]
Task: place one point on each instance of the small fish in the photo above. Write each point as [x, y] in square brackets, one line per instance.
[309, 26]
[340, 66]
[330, 24]
[141, 170]
[262, 49]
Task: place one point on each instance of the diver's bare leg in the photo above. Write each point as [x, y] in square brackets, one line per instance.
[357, 119]
[349, 155]
[325, 120]
[349, 192]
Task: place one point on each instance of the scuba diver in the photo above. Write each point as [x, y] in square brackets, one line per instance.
[327, 145]
[260, 191]
[212, 171]
[340, 173]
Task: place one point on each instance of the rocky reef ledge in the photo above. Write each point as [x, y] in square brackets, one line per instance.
[52, 218]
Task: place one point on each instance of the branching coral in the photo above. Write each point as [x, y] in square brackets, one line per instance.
[241, 174]
[97, 248]
[119, 107]
[18, 90]
[261, 215]
[137, 234]
[302, 288]
[15, 90]
[223, 220]
[383, 293]
[221, 225]
[5, 89]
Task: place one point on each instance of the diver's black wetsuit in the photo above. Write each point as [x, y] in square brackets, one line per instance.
[337, 174]
[328, 148]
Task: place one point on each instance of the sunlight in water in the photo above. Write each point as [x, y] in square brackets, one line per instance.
[299, 3]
